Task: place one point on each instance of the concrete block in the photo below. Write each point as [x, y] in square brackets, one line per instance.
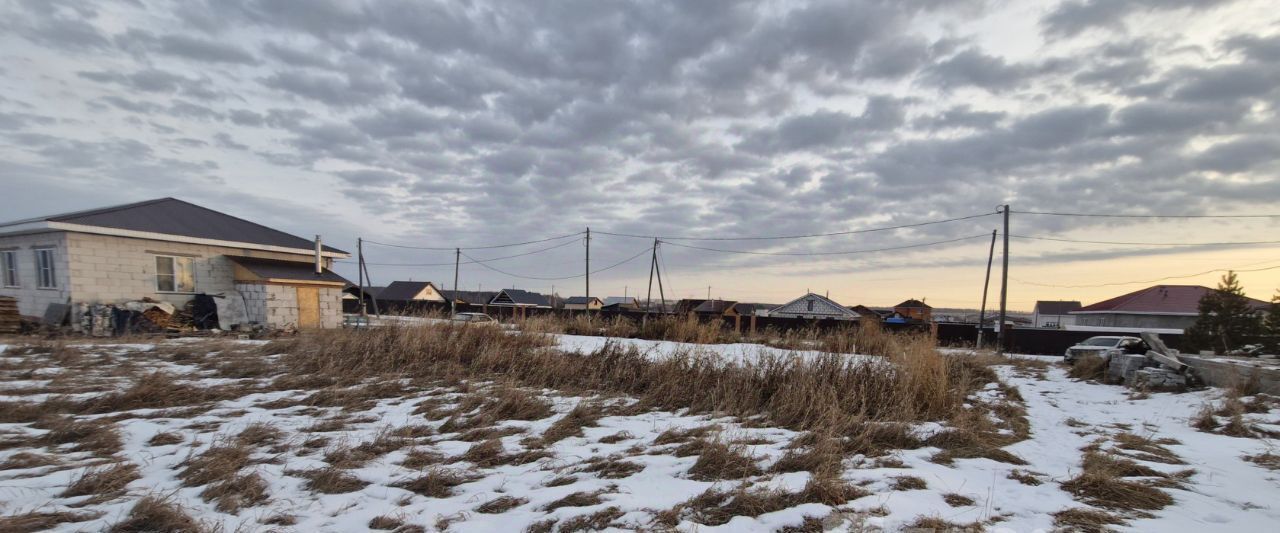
[1122, 367]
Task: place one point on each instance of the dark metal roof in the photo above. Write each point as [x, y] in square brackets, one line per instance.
[520, 298]
[288, 270]
[403, 290]
[580, 300]
[913, 304]
[1060, 307]
[470, 297]
[714, 306]
[1178, 299]
[172, 216]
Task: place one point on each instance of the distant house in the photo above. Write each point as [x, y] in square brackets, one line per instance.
[716, 308]
[753, 309]
[172, 251]
[813, 306]
[915, 310]
[480, 298]
[583, 303]
[866, 313]
[1156, 307]
[519, 298]
[405, 291]
[687, 305]
[1054, 314]
[620, 303]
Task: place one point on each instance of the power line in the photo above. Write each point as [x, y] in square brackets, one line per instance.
[503, 272]
[803, 236]
[845, 252]
[508, 245]
[1144, 282]
[1056, 239]
[1113, 215]
[538, 251]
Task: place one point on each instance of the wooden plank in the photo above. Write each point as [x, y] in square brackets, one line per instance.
[308, 307]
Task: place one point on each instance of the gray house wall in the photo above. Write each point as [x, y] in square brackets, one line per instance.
[1133, 320]
[33, 301]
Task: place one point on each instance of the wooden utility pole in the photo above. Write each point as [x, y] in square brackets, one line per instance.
[653, 265]
[360, 271]
[588, 270]
[982, 312]
[661, 294]
[1004, 281]
[453, 302]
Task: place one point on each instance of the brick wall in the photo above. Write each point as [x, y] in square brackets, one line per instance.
[33, 301]
[276, 306]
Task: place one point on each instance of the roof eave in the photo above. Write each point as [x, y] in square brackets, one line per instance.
[116, 232]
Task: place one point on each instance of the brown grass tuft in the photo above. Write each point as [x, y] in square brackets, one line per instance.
[612, 467]
[166, 438]
[908, 483]
[717, 460]
[501, 504]
[571, 424]
[561, 481]
[1085, 520]
[1102, 484]
[577, 499]
[596, 521]
[236, 493]
[153, 514]
[98, 437]
[957, 500]
[1089, 367]
[220, 462]
[42, 521]
[24, 460]
[386, 522]
[103, 482]
[1024, 477]
[437, 482]
[330, 480]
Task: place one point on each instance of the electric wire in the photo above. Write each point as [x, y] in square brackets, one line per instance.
[1058, 239]
[1114, 215]
[844, 252]
[508, 245]
[543, 278]
[1157, 280]
[802, 236]
[451, 263]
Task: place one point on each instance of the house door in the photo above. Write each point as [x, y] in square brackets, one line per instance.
[308, 307]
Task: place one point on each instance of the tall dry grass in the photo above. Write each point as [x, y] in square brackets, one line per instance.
[911, 381]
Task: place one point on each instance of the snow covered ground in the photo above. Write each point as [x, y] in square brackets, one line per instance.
[613, 474]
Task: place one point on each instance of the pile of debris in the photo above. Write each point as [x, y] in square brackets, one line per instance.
[109, 320]
[10, 320]
[1158, 369]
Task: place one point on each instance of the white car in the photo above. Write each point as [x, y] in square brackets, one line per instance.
[1105, 347]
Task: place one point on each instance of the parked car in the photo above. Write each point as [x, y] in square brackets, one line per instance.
[1105, 347]
[355, 321]
[473, 318]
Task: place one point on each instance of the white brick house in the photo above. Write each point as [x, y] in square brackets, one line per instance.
[168, 250]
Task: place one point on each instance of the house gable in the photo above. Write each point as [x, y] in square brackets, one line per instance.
[813, 305]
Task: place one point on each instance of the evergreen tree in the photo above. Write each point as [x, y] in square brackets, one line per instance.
[1271, 325]
[1226, 318]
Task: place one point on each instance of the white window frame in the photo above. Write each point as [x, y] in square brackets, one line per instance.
[174, 262]
[46, 268]
[9, 269]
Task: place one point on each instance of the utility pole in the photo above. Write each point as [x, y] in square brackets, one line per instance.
[661, 293]
[588, 270]
[982, 312]
[708, 292]
[453, 302]
[360, 271]
[1004, 281]
[653, 264]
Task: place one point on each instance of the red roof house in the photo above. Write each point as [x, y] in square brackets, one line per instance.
[1159, 306]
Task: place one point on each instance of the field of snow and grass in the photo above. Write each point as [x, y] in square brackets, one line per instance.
[244, 436]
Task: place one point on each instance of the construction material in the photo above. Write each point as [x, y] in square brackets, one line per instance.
[1162, 353]
[10, 320]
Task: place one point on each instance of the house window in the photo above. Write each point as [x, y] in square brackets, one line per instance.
[46, 276]
[810, 303]
[9, 265]
[175, 274]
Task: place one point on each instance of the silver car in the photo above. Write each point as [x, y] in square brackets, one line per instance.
[473, 318]
[1105, 347]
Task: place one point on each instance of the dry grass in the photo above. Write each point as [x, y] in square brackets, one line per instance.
[485, 454]
[501, 504]
[596, 521]
[24, 460]
[152, 514]
[616, 437]
[938, 525]
[612, 467]
[95, 436]
[437, 482]
[1085, 520]
[908, 483]
[570, 425]
[386, 522]
[1147, 448]
[104, 482]
[259, 434]
[220, 462]
[577, 499]
[957, 500]
[1024, 477]
[330, 480]
[560, 481]
[1102, 483]
[236, 493]
[156, 390]
[680, 436]
[1090, 367]
[166, 438]
[417, 459]
[1266, 460]
[42, 521]
[717, 461]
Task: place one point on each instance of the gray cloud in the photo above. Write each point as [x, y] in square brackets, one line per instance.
[1075, 16]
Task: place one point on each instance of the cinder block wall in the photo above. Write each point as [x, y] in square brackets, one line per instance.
[330, 307]
[33, 301]
[276, 306]
[107, 269]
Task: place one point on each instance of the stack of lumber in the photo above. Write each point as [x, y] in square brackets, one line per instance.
[9, 319]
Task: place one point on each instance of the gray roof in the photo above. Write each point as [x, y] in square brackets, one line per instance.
[1046, 307]
[172, 216]
[290, 270]
[621, 300]
[470, 297]
[580, 300]
[403, 290]
[518, 297]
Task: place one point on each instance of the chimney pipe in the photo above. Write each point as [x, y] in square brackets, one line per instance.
[319, 265]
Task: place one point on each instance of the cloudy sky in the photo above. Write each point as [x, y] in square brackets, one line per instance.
[470, 123]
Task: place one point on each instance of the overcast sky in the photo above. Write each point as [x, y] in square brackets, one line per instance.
[468, 123]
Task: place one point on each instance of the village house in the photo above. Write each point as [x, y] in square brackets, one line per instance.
[582, 303]
[407, 291]
[1170, 307]
[1054, 314]
[813, 306]
[914, 310]
[170, 250]
[620, 303]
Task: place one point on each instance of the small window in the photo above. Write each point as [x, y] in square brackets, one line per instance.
[9, 265]
[46, 276]
[810, 302]
[175, 274]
